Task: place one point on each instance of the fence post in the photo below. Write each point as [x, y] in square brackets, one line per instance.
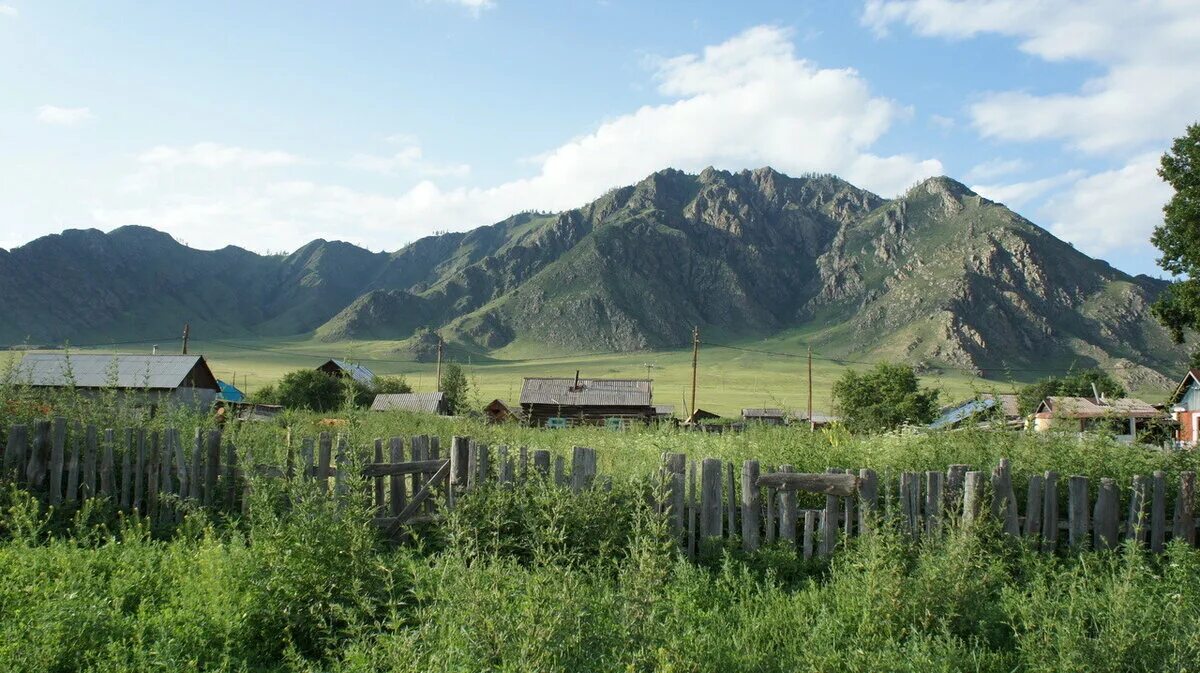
[35, 471]
[460, 459]
[380, 489]
[74, 461]
[87, 481]
[106, 465]
[1033, 507]
[691, 536]
[955, 476]
[1004, 501]
[933, 502]
[1105, 524]
[583, 471]
[340, 487]
[308, 458]
[731, 501]
[1158, 512]
[810, 524]
[1050, 512]
[829, 536]
[1136, 527]
[57, 448]
[750, 505]
[324, 458]
[396, 481]
[127, 470]
[868, 499]
[139, 473]
[1077, 512]
[910, 502]
[541, 463]
[787, 512]
[1185, 509]
[972, 496]
[14, 453]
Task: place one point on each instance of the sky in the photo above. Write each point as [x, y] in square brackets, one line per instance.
[269, 124]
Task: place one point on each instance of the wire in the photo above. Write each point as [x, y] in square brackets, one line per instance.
[93, 345]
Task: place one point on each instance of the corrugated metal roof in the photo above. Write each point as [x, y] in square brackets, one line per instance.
[1085, 407]
[356, 371]
[763, 413]
[590, 392]
[430, 403]
[96, 371]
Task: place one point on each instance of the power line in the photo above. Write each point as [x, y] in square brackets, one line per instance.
[92, 345]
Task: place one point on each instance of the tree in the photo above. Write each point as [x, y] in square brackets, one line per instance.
[392, 385]
[1077, 383]
[1178, 237]
[454, 384]
[885, 397]
[310, 389]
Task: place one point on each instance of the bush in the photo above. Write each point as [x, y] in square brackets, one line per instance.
[885, 397]
[310, 389]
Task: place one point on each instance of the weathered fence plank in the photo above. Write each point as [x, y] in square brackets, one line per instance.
[674, 467]
[417, 500]
[15, 452]
[910, 502]
[1033, 507]
[1135, 528]
[972, 496]
[87, 473]
[57, 447]
[832, 484]
[340, 485]
[955, 476]
[212, 466]
[730, 500]
[710, 497]
[560, 472]
[933, 502]
[1077, 512]
[73, 462]
[107, 465]
[127, 470]
[1158, 511]
[196, 473]
[868, 497]
[1185, 509]
[324, 460]
[396, 489]
[1004, 500]
[751, 505]
[1106, 515]
[1050, 512]
[308, 458]
[788, 512]
[810, 524]
[152, 463]
[829, 528]
[848, 507]
[378, 482]
[583, 471]
[35, 469]
[691, 534]
[541, 463]
[139, 473]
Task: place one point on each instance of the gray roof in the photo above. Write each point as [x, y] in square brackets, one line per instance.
[764, 413]
[590, 392]
[664, 410]
[430, 403]
[356, 371]
[86, 370]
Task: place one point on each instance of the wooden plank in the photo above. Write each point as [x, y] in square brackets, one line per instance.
[583, 471]
[324, 460]
[247, 483]
[139, 473]
[1077, 511]
[182, 470]
[212, 466]
[340, 485]
[956, 475]
[751, 505]
[731, 502]
[710, 497]
[196, 472]
[560, 472]
[397, 493]
[1135, 529]
[127, 470]
[1050, 512]
[379, 481]
[832, 484]
[972, 497]
[39, 449]
[472, 465]
[523, 465]
[1185, 509]
[848, 516]
[541, 463]
[87, 472]
[933, 502]
[417, 500]
[868, 500]
[691, 534]
[289, 465]
[483, 458]
[1158, 512]
[108, 465]
[152, 467]
[15, 452]
[910, 502]
[58, 440]
[822, 530]
[810, 523]
[432, 451]
[416, 447]
[1033, 507]
[460, 461]
[1004, 500]
[788, 512]
[675, 465]
[501, 465]
[74, 460]
[829, 536]
[308, 458]
[1106, 515]
[771, 499]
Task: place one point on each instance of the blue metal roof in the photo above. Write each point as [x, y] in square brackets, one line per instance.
[963, 412]
[229, 392]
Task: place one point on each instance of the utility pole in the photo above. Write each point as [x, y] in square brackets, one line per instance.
[695, 360]
[811, 425]
[439, 363]
[186, 329]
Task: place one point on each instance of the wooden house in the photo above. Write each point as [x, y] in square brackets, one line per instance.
[1082, 414]
[421, 403]
[344, 369]
[499, 411]
[559, 402]
[148, 381]
[1185, 408]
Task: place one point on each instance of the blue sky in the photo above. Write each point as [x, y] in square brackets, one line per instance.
[268, 124]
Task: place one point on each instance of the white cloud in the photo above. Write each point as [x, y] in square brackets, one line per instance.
[408, 159]
[8, 10]
[1113, 211]
[215, 155]
[63, 116]
[1018, 195]
[747, 102]
[474, 7]
[994, 168]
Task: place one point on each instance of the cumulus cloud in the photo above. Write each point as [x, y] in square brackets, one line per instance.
[474, 7]
[408, 158]
[747, 102]
[8, 10]
[1018, 195]
[1103, 213]
[994, 168]
[63, 116]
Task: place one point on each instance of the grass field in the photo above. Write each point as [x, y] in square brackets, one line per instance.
[728, 379]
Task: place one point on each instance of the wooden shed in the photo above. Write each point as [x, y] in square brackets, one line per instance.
[144, 380]
[344, 369]
[499, 411]
[585, 401]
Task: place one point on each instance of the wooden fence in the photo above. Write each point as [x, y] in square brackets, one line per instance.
[765, 507]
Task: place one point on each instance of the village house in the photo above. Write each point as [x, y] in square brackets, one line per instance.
[562, 402]
[989, 409]
[344, 369]
[819, 419]
[500, 411]
[148, 381]
[421, 403]
[1124, 415]
[1185, 408]
[765, 416]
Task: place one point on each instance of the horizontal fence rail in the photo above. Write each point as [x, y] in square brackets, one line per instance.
[162, 473]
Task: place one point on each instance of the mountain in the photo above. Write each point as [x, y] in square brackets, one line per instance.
[939, 275]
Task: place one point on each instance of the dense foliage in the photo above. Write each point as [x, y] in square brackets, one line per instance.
[457, 389]
[1078, 383]
[1178, 237]
[884, 397]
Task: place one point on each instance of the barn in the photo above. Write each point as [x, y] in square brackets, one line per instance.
[559, 402]
[146, 380]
